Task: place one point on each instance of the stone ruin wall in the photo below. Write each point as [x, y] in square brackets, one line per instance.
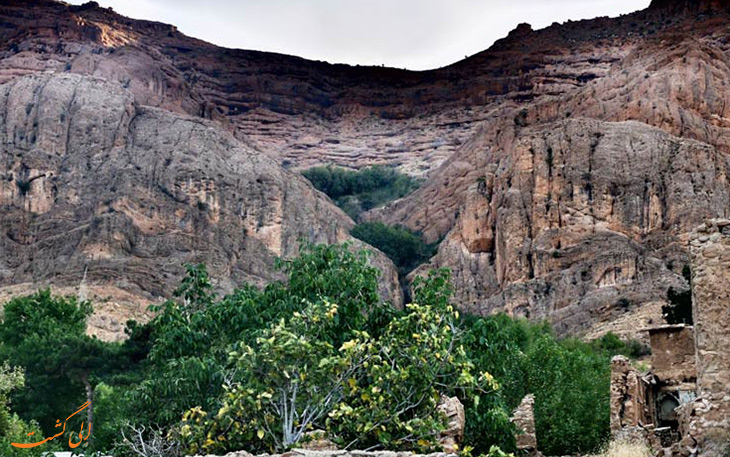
[709, 418]
[631, 404]
[673, 354]
[691, 363]
[524, 419]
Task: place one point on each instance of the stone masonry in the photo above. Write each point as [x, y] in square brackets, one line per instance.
[524, 418]
[710, 257]
[629, 397]
[451, 438]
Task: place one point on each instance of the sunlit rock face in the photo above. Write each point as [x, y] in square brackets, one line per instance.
[580, 220]
[306, 113]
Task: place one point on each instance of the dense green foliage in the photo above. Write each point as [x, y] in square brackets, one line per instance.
[678, 310]
[257, 369]
[12, 428]
[191, 338]
[405, 248]
[362, 190]
[299, 372]
[570, 380]
[46, 336]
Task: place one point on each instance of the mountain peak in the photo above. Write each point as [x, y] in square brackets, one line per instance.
[690, 5]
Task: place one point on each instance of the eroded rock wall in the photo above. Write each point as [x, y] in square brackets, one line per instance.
[578, 221]
[550, 212]
[524, 419]
[631, 401]
[93, 181]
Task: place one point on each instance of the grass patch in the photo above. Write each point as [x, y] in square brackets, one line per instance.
[626, 448]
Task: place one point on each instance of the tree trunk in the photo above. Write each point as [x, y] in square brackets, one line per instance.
[90, 399]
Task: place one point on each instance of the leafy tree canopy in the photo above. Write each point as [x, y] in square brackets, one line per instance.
[405, 248]
[362, 190]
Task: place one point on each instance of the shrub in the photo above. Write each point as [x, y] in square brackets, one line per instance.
[612, 344]
[46, 335]
[570, 380]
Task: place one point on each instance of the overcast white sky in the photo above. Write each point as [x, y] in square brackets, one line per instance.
[413, 34]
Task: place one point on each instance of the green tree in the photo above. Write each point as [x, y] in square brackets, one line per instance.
[405, 248]
[286, 382]
[371, 392]
[572, 389]
[12, 428]
[342, 275]
[189, 340]
[391, 402]
[570, 380]
[362, 190]
[46, 335]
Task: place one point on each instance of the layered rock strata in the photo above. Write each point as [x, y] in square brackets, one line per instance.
[94, 182]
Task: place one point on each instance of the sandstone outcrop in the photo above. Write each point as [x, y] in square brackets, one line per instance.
[576, 206]
[577, 221]
[95, 182]
[305, 113]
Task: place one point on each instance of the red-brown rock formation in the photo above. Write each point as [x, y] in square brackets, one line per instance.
[571, 162]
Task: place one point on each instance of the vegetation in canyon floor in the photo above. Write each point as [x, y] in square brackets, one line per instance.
[258, 368]
[362, 190]
[404, 247]
[358, 191]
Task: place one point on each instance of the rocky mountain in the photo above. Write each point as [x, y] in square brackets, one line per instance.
[576, 206]
[565, 167]
[101, 189]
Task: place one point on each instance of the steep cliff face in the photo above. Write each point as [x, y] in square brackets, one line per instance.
[565, 166]
[562, 209]
[689, 5]
[93, 181]
[579, 221]
[306, 113]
